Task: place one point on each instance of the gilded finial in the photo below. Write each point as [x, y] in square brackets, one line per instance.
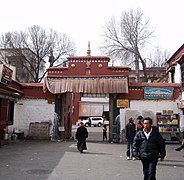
[89, 50]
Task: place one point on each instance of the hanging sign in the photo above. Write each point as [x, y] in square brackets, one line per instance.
[6, 74]
[158, 93]
[122, 103]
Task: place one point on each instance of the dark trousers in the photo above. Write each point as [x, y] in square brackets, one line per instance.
[81, 145]
[129, 147]
[104, 135]
[149, 168]
[181, 147]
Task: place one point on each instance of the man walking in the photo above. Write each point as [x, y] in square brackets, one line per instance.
[182, 144]
[129, 135]
[149, 146]
[81, 136]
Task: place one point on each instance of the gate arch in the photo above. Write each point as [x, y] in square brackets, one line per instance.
[85, 74]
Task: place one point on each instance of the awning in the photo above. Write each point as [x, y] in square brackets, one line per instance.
[104, 85]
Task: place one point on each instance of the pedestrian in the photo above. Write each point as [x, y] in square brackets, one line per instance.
[139, 123]
[130, 132]
[182, 145]
[149, 146]
[117, 129]
[81, 136]
[104, 132]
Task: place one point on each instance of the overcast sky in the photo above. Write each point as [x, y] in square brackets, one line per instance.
[82, 20]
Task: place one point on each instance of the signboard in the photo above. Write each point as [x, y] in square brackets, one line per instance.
[158, 93]
[122, 103]
[6, 74]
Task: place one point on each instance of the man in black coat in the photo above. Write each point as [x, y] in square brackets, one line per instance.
[81, 136]
[149, 146]
[130, 131]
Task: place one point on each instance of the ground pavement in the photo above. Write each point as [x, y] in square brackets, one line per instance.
[53, 160]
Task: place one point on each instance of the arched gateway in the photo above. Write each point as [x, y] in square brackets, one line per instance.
[89, 75]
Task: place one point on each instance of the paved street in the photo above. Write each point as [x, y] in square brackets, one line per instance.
[46, 160]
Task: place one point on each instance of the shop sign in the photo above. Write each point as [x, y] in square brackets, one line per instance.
[158, 93]
[122, 103]
[6, 74]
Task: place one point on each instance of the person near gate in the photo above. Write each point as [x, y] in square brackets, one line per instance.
[117, 129]
[81, 135]
[182, 144]
[139, 123]
[104, 132]
[181, 147]
[130, 132]
[149, 146]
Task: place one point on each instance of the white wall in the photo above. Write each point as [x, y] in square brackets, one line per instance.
[31, 110]
[177, 75]
[93, 106]
[154, 105]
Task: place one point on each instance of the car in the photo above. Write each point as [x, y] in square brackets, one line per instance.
[92, 121]
[96, 121]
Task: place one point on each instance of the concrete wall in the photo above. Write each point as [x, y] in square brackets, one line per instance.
[146, 108]
[31, 110]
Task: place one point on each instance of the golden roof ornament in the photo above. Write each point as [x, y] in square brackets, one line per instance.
[89, 50]
[88, 64]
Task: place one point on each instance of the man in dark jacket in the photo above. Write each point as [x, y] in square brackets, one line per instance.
[149, 146]
[81, 136]
[129, 135]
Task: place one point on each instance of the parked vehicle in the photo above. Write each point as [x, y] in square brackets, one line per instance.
[92, 121]
[96, 121]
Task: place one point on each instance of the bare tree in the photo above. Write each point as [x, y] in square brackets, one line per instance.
[158, 57]
[43, 46]
[124, 40]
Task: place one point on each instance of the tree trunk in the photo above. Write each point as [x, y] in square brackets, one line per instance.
[137, 68]
[144, 68]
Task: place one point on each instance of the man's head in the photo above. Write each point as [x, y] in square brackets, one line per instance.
[140, 118]
[147, 123]
[81, 124]
[131, 120]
